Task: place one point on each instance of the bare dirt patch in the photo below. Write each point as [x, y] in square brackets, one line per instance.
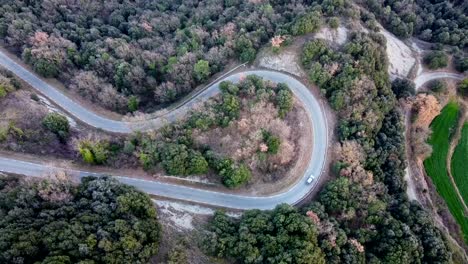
[333, 36]
[183, 228]
[286, 61]
[400, 56]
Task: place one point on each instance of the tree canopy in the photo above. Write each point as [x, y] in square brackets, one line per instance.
[55, 221]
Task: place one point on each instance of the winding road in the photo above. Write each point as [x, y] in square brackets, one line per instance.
[429, 76]
[292, 196]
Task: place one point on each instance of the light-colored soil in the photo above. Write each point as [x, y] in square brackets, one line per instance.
[286, 61]
[400, 56]
[183, 226]
[333, 36]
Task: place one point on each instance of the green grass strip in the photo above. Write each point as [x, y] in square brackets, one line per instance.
[436, 165]
[460, 164]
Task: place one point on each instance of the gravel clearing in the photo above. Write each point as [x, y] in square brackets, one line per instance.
[333, 36]
[285, 61]
[181, 215]
[400, 56]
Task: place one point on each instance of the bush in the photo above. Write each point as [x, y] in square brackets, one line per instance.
[403, 88]
[133, 103]
[233, 175]
[307, 23]
[284, 100]
[273, 142]
[463, 87]
[177, 159]
[245, 49]
[229, 109]
[6, 86]
[94, 152]
[461, 63]
[201, 70]
[46, 68]
[436, 59]
[334, 22]
[437, 86]
[57, 124]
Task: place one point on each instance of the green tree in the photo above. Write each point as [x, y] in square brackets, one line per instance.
[201, 70]
[94, 152]
[133, 103]
[177, 159]
[463, 87]
[229, 109]
[403, 88]
[46, 68]
[436, 59]
[197, 163]
[233, 175]
[461, 63]
[307, 23]
[334, 22]
[245, 49]
[57, 124]
[284, 100]
[437, 86]
[273, 142]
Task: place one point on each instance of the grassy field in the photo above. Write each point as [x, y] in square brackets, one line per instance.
[459, 164]
[436, 164]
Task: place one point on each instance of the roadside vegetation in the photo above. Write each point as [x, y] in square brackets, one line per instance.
[436, 166]
[459, 164]
[240, 134]
[57, 221]
[463, 87]
[436, 60]
[27, 125]
[128, 56]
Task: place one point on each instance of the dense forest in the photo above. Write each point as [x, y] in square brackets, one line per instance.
[364, 215]
[129, 55]
[443, 22]
[56, 221]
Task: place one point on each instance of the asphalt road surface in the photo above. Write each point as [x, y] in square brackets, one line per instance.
[429, 76]
[291, 196]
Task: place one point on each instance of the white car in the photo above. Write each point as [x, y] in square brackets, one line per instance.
[310, 179]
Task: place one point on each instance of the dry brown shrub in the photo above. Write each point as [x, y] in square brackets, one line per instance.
[427, 107]
[351, 153]
[421, 149]
[359, 247]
